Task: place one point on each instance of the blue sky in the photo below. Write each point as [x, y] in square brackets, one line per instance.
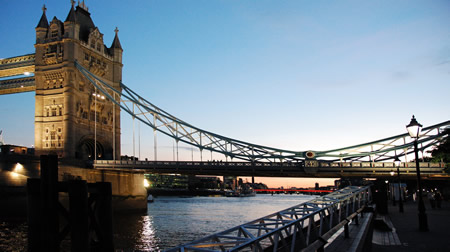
[295, 74]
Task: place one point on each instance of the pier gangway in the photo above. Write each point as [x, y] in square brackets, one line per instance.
[307, 224]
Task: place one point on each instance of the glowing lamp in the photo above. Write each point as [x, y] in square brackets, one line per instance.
[414, 128]
[146, 183]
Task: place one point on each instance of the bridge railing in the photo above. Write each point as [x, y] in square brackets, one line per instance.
[291, 229]
[322, 164]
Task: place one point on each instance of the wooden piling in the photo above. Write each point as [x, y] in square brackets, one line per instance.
[79, 215]
[86, 225]
[104, 213]
[34, 214]
[49, 203]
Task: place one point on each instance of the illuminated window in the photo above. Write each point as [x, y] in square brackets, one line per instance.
[54, 33]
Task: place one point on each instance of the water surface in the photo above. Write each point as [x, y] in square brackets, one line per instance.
[171, 221]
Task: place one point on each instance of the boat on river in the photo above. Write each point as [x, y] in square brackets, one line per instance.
[242, 191]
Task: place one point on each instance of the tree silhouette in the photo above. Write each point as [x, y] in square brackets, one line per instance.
[441, 153]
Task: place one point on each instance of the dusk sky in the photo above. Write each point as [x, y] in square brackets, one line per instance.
[297, 75]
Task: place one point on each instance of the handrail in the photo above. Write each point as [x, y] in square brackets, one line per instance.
[294, 228]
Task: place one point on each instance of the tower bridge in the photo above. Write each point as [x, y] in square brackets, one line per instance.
[79, 97]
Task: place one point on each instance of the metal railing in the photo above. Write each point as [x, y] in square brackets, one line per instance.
[291, 229]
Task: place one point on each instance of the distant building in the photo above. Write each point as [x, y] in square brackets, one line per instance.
[204, 182]
[158, 181]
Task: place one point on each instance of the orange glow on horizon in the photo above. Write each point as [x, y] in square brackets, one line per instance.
[291, 182]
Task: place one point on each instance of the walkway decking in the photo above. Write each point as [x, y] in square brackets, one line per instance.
[406, 226]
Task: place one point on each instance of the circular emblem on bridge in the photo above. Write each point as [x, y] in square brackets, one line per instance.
[310, 154]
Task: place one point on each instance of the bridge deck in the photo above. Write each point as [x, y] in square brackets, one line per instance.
[272, 169]
[18, 85]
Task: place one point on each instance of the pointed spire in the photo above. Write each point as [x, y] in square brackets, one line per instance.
[43, 23]
[71, 17]
[83, 5]
[116, 42]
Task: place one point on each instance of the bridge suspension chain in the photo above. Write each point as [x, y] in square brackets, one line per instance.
[181, 131]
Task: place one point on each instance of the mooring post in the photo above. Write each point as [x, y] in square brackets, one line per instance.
[346, 233]
[49, 203]
[104, 213]
[34, 214]
[79, 215]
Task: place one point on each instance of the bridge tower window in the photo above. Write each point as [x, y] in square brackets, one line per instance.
[54, 33]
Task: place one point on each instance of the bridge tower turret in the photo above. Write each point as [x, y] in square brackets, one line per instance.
[70, 113]
[42, 27]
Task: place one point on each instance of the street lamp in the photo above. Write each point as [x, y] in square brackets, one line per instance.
[393, 189]
[414, 132]
[400, 201]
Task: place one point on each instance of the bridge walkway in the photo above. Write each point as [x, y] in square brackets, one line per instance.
[358, 233]
[406, 226]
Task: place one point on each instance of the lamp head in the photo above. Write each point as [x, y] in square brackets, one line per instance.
[414, 128]
[397, 162]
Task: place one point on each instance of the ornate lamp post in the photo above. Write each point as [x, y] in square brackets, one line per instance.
[414, 132]
[400, 200]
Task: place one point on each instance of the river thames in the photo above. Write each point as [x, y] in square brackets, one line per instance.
[171, 221]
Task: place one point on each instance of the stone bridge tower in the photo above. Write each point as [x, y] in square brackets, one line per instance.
[70, 114]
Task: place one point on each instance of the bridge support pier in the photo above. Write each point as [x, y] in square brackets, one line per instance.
[128, 191]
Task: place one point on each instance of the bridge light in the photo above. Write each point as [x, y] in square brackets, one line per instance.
[26, 73]
[146, 183]
[414, 128]
[18, 167]
[392, 173]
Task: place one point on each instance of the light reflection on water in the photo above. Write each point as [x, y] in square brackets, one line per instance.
[171, 221]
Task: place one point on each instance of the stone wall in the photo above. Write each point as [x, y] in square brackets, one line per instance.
[128, 191]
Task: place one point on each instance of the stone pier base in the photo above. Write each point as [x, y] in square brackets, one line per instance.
[128, 191]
